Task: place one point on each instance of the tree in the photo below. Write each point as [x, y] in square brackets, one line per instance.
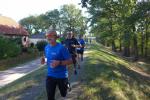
[53, 18]
[28, 23]
[68, 18]
[73, 19]
[122, 20]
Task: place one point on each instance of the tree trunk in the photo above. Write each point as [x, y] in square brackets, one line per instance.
[142, 44]
[135, 45]
[126, 44]
[136, 56]
[126, 51]
[120, 45]
[146, 40]
[113, 46]
[113, 38]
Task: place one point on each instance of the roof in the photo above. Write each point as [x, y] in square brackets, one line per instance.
[8, 21]
[9, 27]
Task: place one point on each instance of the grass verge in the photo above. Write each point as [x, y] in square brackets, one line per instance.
[30, 83]
[108, 77]
[12, 62]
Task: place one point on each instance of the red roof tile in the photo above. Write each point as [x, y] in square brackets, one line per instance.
[9, 27]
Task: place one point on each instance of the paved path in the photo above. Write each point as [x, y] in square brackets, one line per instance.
[11, 75]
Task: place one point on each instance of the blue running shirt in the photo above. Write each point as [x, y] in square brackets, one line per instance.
[81, 42]
[57, 52]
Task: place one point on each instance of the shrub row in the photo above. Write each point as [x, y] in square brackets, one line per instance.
[8, 48]
[41, 45]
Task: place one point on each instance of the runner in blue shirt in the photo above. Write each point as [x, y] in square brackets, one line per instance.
[58, 58]
[80, 50]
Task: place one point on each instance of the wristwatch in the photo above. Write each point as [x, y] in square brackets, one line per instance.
[60, 62]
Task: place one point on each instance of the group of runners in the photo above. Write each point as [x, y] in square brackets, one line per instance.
[59, 54]
[75, 48]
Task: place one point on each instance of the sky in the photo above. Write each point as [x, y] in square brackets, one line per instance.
[18, 9]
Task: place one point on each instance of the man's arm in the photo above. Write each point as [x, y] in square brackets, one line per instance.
[83, 43]
[56, 63]
[43, 58]
[76, 43]
[67, 58]
[65, 62]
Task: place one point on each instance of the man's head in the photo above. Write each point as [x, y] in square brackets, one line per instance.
[80, 36]
[70, 35]
[51, 36]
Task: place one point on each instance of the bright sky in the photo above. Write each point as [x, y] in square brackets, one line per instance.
[18, 9]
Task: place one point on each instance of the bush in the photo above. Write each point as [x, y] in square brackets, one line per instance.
[32, 45]
[24, 49]
[41, 45]
[17, 40]
[8, 48]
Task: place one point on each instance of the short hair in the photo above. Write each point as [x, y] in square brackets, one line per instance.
[51, 33]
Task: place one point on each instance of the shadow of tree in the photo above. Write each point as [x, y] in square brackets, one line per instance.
[105, 70]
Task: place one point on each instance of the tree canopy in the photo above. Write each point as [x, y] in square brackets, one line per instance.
[68, 18]
[123, 24]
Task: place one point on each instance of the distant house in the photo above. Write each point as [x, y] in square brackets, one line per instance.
[37, 37]
[10, 28]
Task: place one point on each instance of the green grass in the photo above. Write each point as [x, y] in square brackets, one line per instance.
[15, 90]
[108, 77]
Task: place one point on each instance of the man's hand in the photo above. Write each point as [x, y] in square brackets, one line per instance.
[73, 45]
[43, 60]
[54, 63]
[76, 46]
[82, 46]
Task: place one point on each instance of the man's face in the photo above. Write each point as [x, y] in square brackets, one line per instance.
[51, 38]
[69, 35]
[72, 35]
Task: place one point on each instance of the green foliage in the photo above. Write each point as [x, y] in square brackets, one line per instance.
[8, 48]
[28, 23]
[121, 21]
[73, 19]
[32, 45]
[41, 45]
[16, 40]
[68, 18]
[53, 18]
[42, 23]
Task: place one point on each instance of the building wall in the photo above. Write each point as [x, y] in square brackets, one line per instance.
[35, 40]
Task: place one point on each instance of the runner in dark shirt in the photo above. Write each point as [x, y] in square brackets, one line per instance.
[71, 43]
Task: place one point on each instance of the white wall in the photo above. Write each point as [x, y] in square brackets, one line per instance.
[35, 40]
